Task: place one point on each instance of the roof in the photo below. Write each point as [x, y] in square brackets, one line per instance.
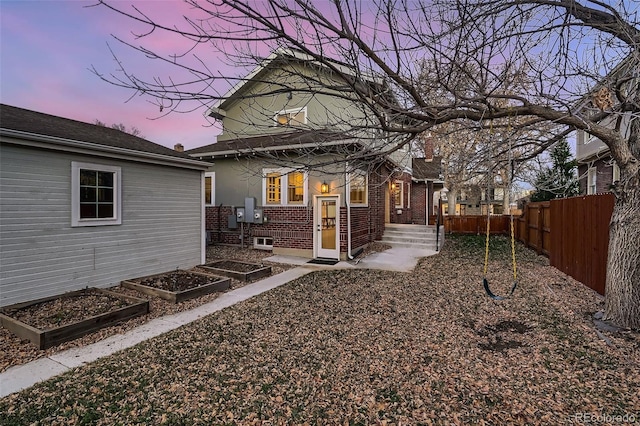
[424, 169]
[217, 111]
[25, 124]
[264, 143]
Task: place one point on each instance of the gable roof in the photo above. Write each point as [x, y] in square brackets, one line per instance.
[424, 169]
[280, 141]
[218, 112]
[30, 128]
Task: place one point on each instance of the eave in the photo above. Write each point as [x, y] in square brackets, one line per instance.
[35, 140]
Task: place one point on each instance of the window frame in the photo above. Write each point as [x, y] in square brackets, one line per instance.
[284, 173]
[399, 189]
[365, 177]
[76, 220]
[212, 195]
[615, 173]
[291, 113]
[592, 175]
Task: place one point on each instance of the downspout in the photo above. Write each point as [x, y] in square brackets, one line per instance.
[348, 227]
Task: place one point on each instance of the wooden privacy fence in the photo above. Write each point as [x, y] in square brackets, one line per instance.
[572, 232]
[476, 224]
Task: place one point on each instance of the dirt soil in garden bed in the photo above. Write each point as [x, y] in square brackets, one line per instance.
[16, 351]
[369, 347]
[67, 309]
[176, 280]
[235, 266]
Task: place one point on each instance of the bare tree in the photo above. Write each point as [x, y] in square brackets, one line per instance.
[565, 48]
[123, 128]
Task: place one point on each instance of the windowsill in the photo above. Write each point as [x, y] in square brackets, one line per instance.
[95, 222]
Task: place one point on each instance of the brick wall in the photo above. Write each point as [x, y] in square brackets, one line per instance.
[604, 176]
[418, 203]
[292, 227]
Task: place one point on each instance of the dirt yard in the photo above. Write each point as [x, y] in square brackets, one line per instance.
[366, 347]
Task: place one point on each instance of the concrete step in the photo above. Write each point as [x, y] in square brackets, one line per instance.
[409, 239]
[413, 236]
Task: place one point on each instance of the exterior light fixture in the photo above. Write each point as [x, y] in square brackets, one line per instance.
[393, 186]
[324, 188]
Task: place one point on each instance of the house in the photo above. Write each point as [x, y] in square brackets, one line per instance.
[427, 184]
[88, 206]
[296, 169]
[597, 170]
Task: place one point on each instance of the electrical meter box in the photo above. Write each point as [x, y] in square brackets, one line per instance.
[249, 207]
[240, 217]
[258, 217]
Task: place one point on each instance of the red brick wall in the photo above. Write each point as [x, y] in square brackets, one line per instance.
[292, 227]
[418, 203]
[604, 176]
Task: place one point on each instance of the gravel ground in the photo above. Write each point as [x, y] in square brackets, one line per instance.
[370, 347]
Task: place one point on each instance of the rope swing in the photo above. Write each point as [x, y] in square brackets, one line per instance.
[485, 281]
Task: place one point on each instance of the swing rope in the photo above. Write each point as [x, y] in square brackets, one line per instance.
[485, 281]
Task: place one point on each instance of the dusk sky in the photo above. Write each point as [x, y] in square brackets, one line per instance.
[47, 49]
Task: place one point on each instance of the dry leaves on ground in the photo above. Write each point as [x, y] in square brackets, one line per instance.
[368, 347]
[16, 351]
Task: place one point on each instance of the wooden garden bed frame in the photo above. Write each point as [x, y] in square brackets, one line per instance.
[260, 271]
[217, 284]
[44, 339]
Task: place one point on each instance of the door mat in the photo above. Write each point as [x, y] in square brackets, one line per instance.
[321, 261]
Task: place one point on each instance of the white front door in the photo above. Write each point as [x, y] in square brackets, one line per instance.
[327, 225]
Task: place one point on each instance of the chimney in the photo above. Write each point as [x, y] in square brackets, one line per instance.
[428, 148]
[178, 147]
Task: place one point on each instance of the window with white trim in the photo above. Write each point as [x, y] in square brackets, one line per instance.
[591, 180]
[398, 194]
[95, 194]
[210, 188]
[358, 188]
[263, 243]
[291, 117]
[284, 187]
[616, 172]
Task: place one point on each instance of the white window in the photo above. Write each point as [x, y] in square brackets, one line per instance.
[591, 181]
[284, 187]
[263, 243]
[616, 172]
[210, 189]
[398, 194]
[358, 188]
[291, 117]
[95, 194]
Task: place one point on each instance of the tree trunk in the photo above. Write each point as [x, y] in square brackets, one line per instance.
[452, 197]
[622, 294]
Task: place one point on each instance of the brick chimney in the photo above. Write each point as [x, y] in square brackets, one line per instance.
[428, 148]
[178, 147]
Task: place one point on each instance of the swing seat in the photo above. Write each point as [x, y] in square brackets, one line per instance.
[485, 282]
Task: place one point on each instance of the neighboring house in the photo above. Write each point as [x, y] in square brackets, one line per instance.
[88, 206]
[281, 156]
[597, 171]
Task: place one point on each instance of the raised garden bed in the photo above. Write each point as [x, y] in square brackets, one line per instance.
[242, 271]
[53, 320]
[179, 285]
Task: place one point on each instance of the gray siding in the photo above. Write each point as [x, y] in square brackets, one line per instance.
[42, 255]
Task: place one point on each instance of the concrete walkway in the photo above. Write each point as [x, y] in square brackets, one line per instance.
[24, 376]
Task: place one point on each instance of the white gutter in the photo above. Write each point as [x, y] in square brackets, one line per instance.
[348, 227]
[347, 198]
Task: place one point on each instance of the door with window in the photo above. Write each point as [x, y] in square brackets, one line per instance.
[327, 225]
